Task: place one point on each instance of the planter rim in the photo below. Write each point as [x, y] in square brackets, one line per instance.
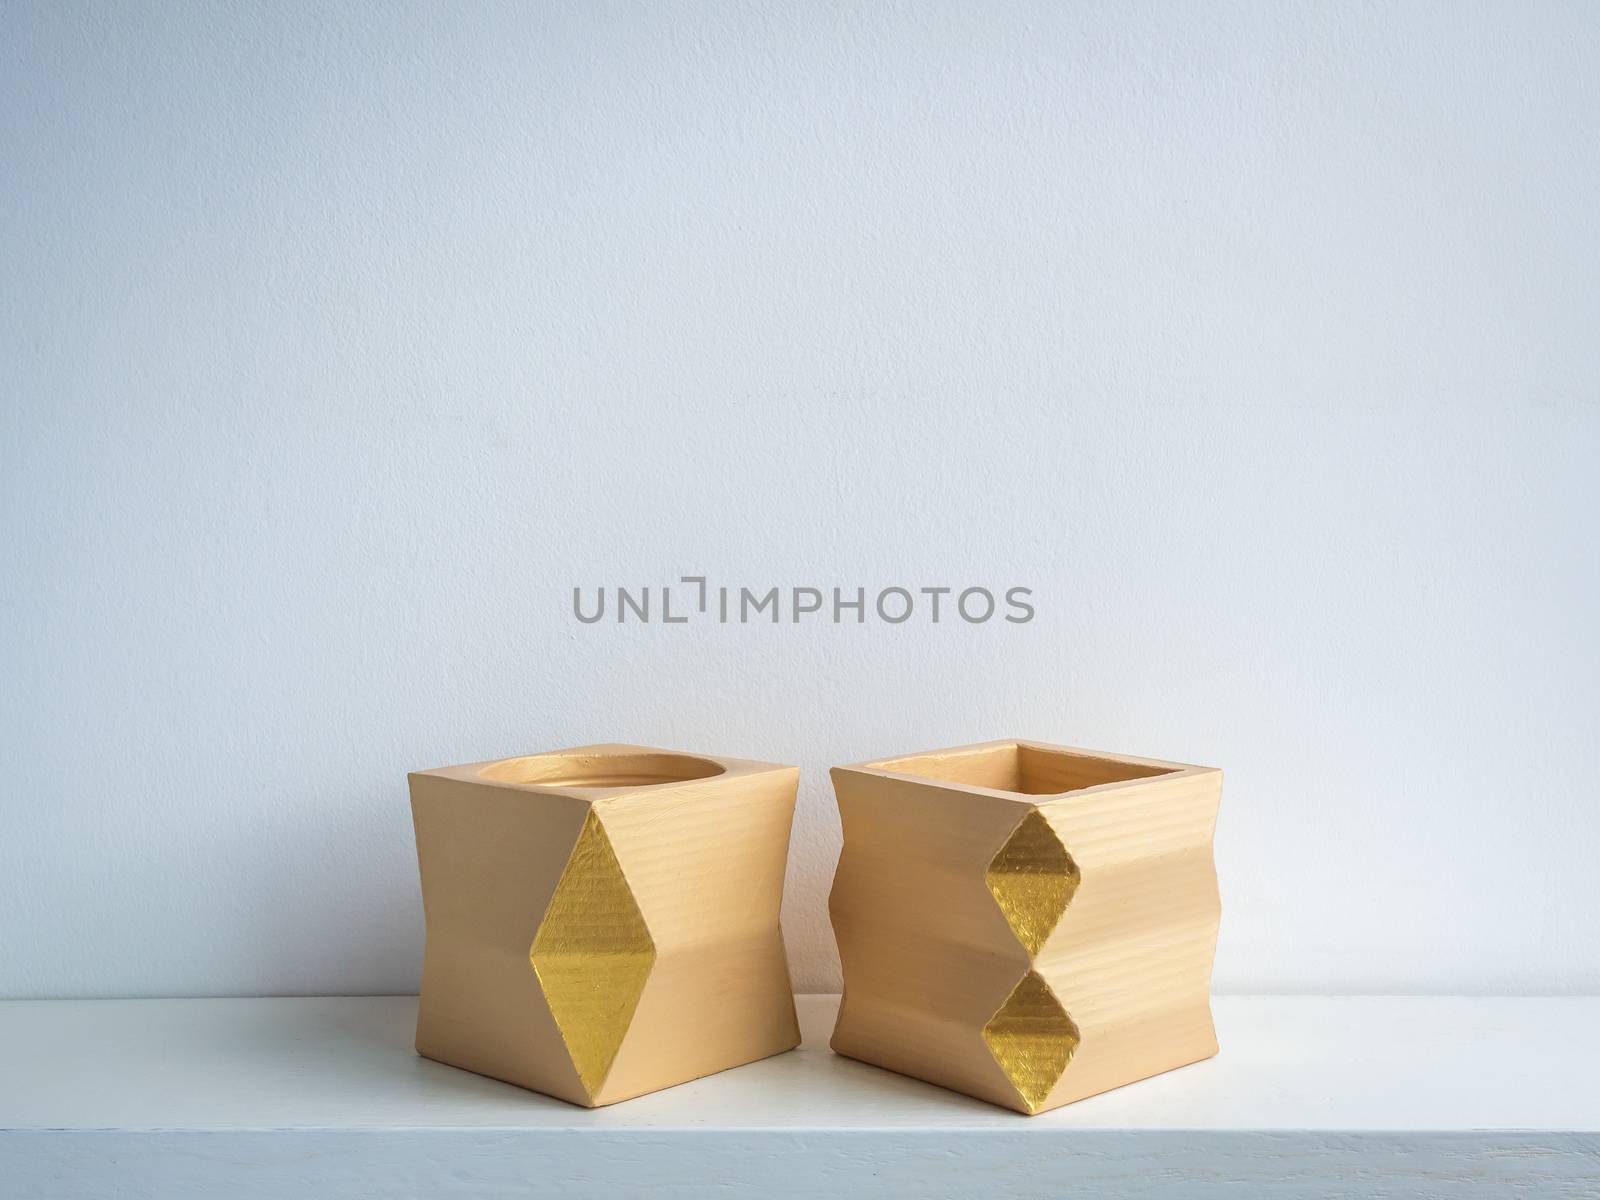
[894, 766]
[705, 769]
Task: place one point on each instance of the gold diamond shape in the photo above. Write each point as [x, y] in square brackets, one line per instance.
[592, 955]
[1032, 879]
[1032, 1039]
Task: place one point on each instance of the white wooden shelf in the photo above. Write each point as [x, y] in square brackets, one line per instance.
[309, 1098]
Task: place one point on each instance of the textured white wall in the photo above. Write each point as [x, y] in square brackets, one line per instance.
[340, 343]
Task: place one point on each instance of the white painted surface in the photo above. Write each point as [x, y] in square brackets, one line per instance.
[339, 342]
[260, 1096]
[1324, 1063]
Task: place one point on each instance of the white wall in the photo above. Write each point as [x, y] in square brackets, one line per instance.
[340, 343]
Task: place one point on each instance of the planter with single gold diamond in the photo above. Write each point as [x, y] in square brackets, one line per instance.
[1026, 923]
[603, 921]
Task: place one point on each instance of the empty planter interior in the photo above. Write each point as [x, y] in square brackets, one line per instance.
[600, 770]
[1020, 768]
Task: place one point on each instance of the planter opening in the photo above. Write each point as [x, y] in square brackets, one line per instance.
[1026, 770]
[601, 770]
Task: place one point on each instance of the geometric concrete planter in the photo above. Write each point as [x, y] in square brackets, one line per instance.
[1026, 923]
[603, 922]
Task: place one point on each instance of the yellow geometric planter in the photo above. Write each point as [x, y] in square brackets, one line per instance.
[1026, 923]
[603, 922]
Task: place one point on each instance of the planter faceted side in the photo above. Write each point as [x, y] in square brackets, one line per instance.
[603, 922]
[1026, 923]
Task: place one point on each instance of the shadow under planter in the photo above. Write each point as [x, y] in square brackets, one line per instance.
[1026, 923]
[603, 922]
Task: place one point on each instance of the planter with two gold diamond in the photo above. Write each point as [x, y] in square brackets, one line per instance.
[1026, 923]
